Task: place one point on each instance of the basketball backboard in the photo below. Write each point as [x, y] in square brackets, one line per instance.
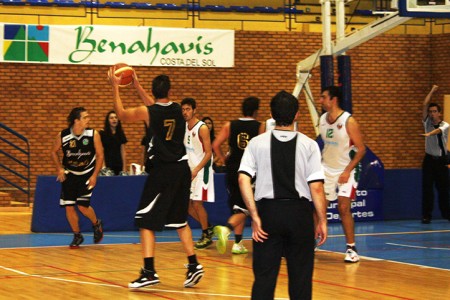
[424, 8]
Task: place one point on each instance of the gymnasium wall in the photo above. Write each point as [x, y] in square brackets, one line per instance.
[391, 75]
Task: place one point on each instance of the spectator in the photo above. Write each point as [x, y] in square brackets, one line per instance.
[114, 140]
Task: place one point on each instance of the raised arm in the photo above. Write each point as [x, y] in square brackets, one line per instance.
[146, 98]
[427, 100]
[138, 113]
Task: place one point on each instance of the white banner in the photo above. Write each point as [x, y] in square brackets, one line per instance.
[107, 45]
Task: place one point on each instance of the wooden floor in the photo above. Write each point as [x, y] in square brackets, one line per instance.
[103, 271]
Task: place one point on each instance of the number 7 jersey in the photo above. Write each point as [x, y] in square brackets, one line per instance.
[166, 132]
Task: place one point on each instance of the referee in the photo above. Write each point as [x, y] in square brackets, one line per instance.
[289, 175]
[434, 166]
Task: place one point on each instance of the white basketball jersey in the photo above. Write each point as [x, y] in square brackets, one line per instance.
[193, 144]
[270, 125]
[202, 187]
[338, 147]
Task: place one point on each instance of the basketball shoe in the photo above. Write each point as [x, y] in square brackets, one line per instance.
[98, 231]
[204, 242]
[351, 255]
[78, 239]
[222, 233]
[194, 274]
[239, 248]
[147, 278]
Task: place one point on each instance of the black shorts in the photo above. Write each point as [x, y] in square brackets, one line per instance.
[165, 198]
[235, 200]
[74, 190]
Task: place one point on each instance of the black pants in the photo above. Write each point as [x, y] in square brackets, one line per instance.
[290, 226]
[434, 173]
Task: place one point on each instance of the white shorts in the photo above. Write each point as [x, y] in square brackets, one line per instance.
[333, 190]
[202, 187]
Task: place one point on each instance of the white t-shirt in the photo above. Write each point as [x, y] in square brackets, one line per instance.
[270, 125]
[256, 161]
[432, 142]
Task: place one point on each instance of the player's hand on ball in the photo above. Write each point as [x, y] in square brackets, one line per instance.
[113, 79]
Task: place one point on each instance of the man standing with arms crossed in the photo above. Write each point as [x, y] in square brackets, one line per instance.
[289, 175]
[198, 148]
[165, 198]
[343, 150]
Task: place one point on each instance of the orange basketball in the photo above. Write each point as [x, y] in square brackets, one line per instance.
[124, 70]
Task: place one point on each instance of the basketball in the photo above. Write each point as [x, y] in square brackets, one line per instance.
[124, 70]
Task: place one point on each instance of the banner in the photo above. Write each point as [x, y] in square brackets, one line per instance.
[107, 45]
[368, 206]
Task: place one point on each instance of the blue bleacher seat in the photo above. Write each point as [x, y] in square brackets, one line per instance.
[241, 8]
[141, 5]
[39, 2]
[91, 4]
[217, 8]
[13, 2]
[192, 7]
[114, 4]
[66, 3]
[267, 9]
[363, 12]
[168, 6]
[292, 10]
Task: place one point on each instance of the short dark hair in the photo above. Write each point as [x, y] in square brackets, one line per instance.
[435, 104]
[189, 101]
[161, 86]
[334, 91]
[74, 114]
[284, 107]
[249, 106]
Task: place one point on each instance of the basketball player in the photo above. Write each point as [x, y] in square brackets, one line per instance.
[238, 133]
[289, 175]
[199, 151]
[165, 198]
[343, 150]
[82, 161]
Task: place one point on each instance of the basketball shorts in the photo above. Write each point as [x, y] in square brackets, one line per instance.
[202, 187]
[333, 190]
[75, 190]
[165, 198]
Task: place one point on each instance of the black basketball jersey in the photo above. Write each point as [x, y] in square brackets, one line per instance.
[241, 132]
[166, 132]
[79, 151]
